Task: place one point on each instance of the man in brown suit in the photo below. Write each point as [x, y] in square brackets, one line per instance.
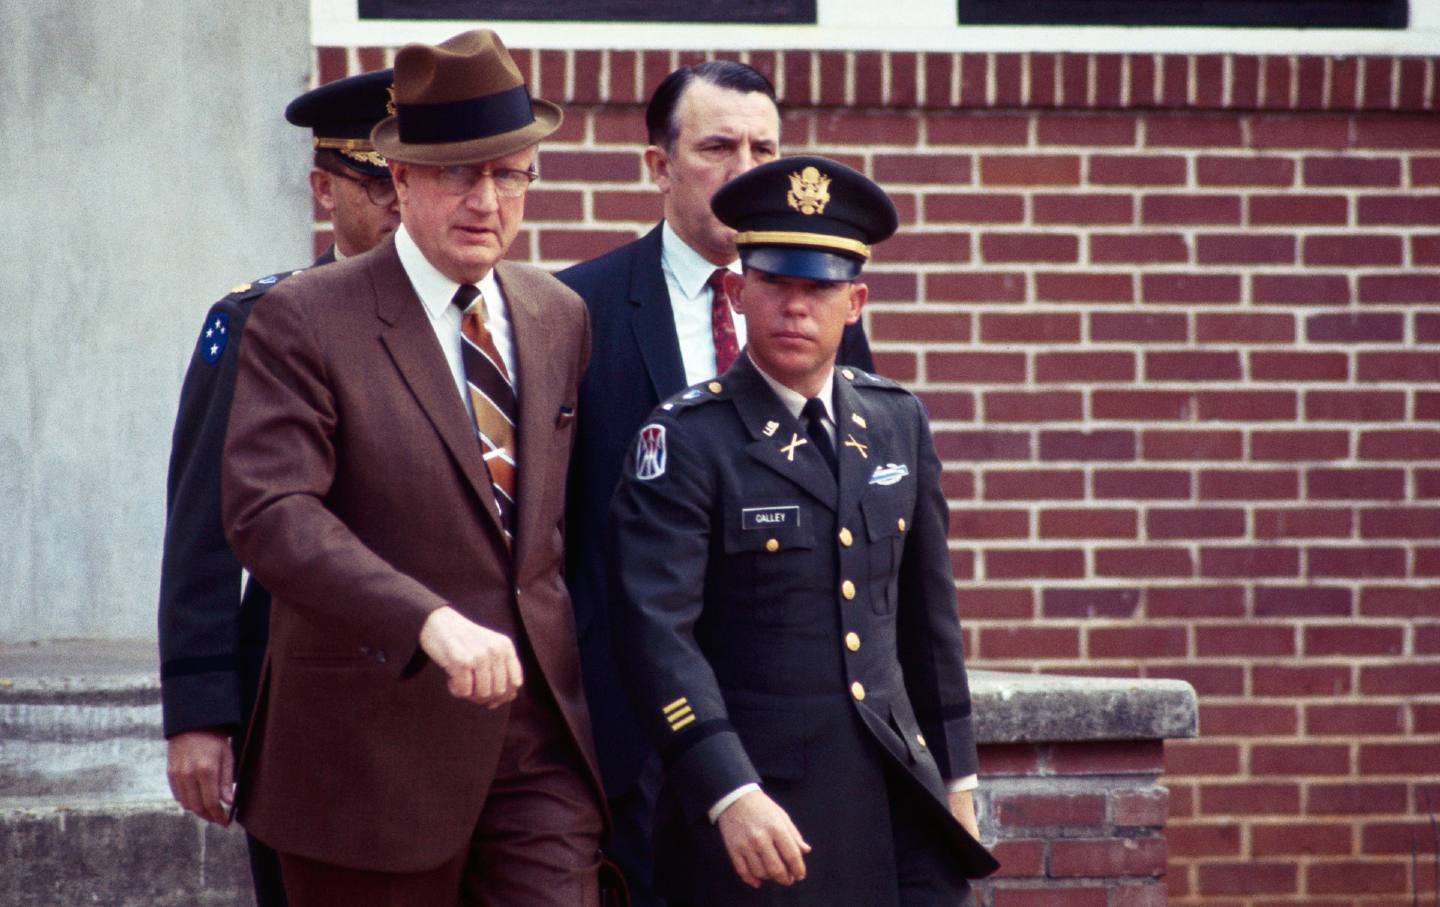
[394, 473]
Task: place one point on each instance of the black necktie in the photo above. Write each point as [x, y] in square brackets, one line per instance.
[814, 415]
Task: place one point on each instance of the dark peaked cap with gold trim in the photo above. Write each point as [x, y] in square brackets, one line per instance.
[462, 101]
[342, 113]
[805, 216]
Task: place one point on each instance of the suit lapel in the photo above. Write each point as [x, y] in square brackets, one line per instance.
[652, 319]
[858, 445]
[786, 450]
[539, 394]
[410, 340]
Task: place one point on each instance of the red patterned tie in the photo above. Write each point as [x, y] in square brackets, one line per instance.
[492, 396]
[722, 326]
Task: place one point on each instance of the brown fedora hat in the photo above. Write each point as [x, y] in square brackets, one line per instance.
[462, 101]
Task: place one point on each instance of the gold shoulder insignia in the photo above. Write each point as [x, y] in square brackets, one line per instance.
[390, 100]
[809, 191]
[240, 289]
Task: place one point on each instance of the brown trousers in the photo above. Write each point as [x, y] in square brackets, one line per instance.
[536, 843]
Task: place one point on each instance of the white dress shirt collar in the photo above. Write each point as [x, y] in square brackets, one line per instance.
[435, 289]
[686, 273]
[436, 292]
[690, 269]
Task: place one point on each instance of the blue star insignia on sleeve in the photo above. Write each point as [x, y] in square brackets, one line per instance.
[214, 336]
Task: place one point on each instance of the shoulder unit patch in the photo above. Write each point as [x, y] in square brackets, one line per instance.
[650, 452]
[214, 336]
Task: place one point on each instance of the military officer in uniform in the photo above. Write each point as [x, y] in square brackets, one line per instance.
[212, 637]
[786, 595]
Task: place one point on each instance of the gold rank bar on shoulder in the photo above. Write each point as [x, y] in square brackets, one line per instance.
[678, 713]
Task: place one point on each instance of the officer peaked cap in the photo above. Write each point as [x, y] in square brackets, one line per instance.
[805, 216]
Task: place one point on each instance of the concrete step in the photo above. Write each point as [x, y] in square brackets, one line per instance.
[86, 816]
[113, 854]
[81, 721]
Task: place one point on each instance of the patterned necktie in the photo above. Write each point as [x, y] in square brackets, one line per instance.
[814, 415]
[493, 398]
[722, 326]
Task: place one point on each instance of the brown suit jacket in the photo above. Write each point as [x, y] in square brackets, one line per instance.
[355, 491]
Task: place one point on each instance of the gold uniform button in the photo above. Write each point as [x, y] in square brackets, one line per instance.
[846, 538]
[849, 375]
[857, 689]
[772, 545]
[715, 387]
[847, 589]
[901, 524]
[920, 739]
[852, 642]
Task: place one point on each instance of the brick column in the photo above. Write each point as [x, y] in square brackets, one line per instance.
[1070, 787]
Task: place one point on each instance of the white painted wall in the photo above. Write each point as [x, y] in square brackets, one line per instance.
[145, 168]
[927, 25]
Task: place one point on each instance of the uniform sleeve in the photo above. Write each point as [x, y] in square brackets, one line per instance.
[930, 644]
[661, 539]
[280, 462]
[199, 613]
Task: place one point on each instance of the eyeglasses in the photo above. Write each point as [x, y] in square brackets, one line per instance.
[380, 189]
[461, 179]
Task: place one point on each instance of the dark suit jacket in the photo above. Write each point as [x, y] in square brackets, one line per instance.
[636, 365]
[212, 636]
[356, 492]
[795, 631]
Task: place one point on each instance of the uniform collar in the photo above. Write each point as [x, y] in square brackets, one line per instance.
[794, 401]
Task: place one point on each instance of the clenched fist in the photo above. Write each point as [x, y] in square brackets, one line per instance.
[481, 664]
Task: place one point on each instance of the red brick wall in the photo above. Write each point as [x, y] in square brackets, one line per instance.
[1175, 321]
[1075, 824]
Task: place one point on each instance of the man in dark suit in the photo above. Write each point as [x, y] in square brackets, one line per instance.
[212, 637]
[394, 474]
[660, 322]
[795, 648]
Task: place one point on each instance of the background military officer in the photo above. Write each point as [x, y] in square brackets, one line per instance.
[787, 599]
[212, 637]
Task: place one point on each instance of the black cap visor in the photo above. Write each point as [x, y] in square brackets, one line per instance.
[812, 264]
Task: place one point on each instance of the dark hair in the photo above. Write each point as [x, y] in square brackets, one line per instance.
[328, 159]
[660, 113]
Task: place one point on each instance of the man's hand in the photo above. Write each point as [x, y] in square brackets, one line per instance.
[962, 807]
[481, 664]
[201, 770]
[762, 841]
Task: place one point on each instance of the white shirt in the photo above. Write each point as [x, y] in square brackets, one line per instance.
[436, 292]
[794, 402]
[686, 273]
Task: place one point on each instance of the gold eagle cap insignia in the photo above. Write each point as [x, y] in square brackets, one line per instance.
[809, 191]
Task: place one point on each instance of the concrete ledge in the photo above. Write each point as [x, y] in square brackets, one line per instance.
[82, 719]
[1069, 766]
[1045, 708]
[120, 855]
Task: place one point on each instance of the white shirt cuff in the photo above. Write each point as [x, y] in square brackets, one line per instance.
[725, 801]
[969, 782]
